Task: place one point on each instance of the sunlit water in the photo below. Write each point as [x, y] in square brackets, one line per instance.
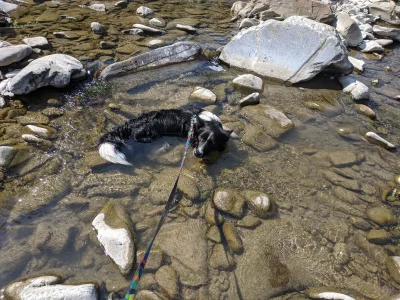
[59, 192]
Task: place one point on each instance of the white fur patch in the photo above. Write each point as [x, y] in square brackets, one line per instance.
[110, 153]
[209, 116]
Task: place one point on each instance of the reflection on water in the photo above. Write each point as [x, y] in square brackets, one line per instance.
[322, 184]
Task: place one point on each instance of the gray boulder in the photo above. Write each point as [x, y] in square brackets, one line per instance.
[278, 50]
[56, 70]
[47, 287]
[348, 29]
[314, 10]
[386, 11]
[12, 54]
[175, 53]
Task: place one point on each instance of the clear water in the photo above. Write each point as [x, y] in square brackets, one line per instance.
[62, 190]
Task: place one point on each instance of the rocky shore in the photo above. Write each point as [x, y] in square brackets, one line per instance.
[304, 203]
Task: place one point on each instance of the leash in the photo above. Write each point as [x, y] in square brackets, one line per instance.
[130, 295]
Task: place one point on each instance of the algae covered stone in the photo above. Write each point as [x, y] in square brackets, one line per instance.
[229, 201]
[259, 203]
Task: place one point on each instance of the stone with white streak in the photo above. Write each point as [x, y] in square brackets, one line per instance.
[12, 54]
[373, 138]
[54, 70]
[186, 28]
[256, 49]
[249, 81]
[37, 42]
[98, 7]
[370, 46]
[49, 287]
[326, 293]
[251, 99]
[357, 89]
[147, 29]
[358, 64]
[144, 11]
[114, 232]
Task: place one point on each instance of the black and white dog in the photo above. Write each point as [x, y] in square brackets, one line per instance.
[208, 133]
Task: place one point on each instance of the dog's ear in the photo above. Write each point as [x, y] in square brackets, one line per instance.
[228, 132]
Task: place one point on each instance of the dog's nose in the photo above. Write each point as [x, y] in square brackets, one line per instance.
[198, 153]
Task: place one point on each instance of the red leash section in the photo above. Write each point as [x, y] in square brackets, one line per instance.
[130, 295]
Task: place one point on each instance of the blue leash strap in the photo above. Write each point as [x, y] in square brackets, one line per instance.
[130, 295]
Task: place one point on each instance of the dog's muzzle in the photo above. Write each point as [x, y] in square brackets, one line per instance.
[198, 153]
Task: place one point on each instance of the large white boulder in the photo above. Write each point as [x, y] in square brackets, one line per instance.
[7, 7]
[348, 29]
[294, 50]
[47, 287]
[55, 70]
[12, 54]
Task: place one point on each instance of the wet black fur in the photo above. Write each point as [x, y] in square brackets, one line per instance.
[147, 127]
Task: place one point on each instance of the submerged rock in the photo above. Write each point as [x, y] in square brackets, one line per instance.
[7, 154]
[167, 278]
[393, 266]
[379, 237]
[329, 293]
[259, 203]
[219, 259]
[48, 287]
[229, 201]
[114, 232]
[56, 70]
[381, 216]
[178, 52]
[251, 99]
[366, 111]
[232, 237]
[267, 49]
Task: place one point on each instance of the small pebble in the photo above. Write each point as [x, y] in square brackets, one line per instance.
[375, 82]
[388, 69]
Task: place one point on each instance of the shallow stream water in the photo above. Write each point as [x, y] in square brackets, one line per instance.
[54, 195]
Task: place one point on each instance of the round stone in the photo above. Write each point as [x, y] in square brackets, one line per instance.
[381, 216]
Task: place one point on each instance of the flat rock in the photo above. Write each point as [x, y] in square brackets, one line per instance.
[370, 46]
[232, 237]
[178, 52]
[203, 95]
[393, 33]
[219, 259]
[114, 232]
[336, 179]
[12, 54]
[315, 10]
[156, 258]
[186, 245]
[348, 29]
[54, 70]
[47, 287]
[249, 81]
[342, 158]
[272, 121]
[37, 42]
[357, 89]
[252, 99]
[373, 138]
[249, 222]
[256, 49]
[384, 42]
[167, 278]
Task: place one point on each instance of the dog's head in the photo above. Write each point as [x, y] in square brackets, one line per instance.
[209, 134]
